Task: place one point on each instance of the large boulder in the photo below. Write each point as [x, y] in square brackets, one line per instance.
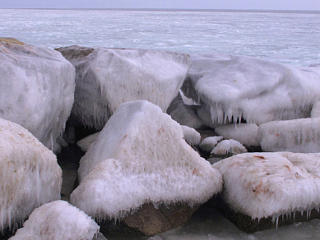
[105, 78]
[29, 174]
[56, 221]
[37, 89]
[298, 135]
[234, 89]
[139, 161]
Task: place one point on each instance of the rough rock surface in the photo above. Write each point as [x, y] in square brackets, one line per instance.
[37, 89]
[29, 174]
[105, 78]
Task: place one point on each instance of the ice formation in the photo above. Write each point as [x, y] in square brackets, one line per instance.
[209, 143]
[29, 174]
[57, 220]
[315, 112]
[245, 133]
[298, 135]
[140, 156]
[232, 88]
[263, 185]
[226, 147]
[37, 89]
[85, 143]
[108, 77]
[191, 135]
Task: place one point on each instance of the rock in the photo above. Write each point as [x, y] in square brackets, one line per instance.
[228, 147]
[298, 135]
[29, 174]
[245, 133]
[140, 157]
[266, 189]
[56, 221]
[85, 143]
[105, 78]
[191, 135]
[233, 89]
[99, 236]
[209, 143]
[37, 89]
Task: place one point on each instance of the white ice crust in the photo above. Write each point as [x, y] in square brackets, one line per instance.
[191, 135]
[29, 174]
[85, 143]
[315, 112]
[37, 89]
[271, 184]
[57, 220]
[140, 156]
[108, 77]
[228, 147]
[298, 135]
[246, 134]
[230, 88]
[209, 143]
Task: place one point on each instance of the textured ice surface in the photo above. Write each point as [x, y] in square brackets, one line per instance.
[298, 135]
[140, 156]
[85, 143]
[315, 113]
[232, 88]
[108, 77]
[228, 147]
[29, 174]
[57, 220]
[209, 143]
[271, 184]
[37, 89]
[191, 135]
[246, 134]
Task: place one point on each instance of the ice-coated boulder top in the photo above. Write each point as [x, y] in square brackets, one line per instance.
[56, 221]
[107, 78]
[85, 143]
[140, 156]
[209, 143]
[230, 146]
[191, 135]
[271, 184]
[256, 90]
[29, 174]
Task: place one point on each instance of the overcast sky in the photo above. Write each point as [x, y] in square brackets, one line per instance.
[190, 4]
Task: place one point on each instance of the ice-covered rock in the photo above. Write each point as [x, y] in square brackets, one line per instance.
[232, 88]
[29, 174]
[315, 112]
[57, 220]
[191, 135]
[105, 78]
[37, 89]
[85, 143]
[298, 135]
[268, 185]
[141, 157]
[245, 133]
[209, 143]
[228, 147]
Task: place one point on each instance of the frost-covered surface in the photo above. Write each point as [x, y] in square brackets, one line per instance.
[57, 220]
[108, 77]
[271, 184]
[29, 174]
[140, 156]
[209, 143]
[315, 113]
[228, 147]
[85, 143]
[191, 135]
[232, 88]
[37, 89]
[246, 134]
[298, 135]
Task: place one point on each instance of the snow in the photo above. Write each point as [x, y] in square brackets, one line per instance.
[191, 135]
[231, 88]
[298, 135]
[108, 77]
[264, 185]
[56, 221]
[29, 174]
[228, 147]
[209, 143]
[85, 143]
[37, 89]
[246, 134]
[140, 156]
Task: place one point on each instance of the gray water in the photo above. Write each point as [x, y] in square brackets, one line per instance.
[292, 38]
